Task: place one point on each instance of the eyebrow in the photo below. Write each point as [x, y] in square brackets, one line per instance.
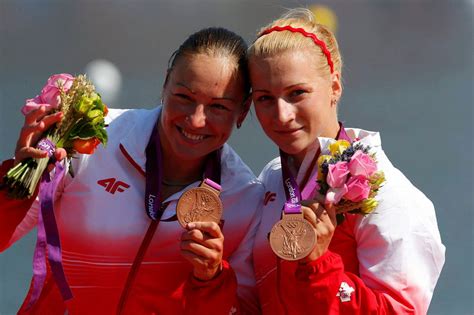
[227, 98]
[286, 88]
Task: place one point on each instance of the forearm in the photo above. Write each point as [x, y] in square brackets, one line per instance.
[323, 287]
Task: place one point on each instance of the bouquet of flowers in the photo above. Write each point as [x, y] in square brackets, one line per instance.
[348, 178]
[80, 131]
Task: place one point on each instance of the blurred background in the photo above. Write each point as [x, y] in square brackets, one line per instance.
[408, 73]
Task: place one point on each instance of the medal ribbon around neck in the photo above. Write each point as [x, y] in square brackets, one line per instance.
[292, 190]
[154, 174]
[293, 237]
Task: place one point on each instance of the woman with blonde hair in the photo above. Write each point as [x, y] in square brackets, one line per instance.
[384, 262]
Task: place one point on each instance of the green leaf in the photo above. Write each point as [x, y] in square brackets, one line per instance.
[102, 136]
[88, 131]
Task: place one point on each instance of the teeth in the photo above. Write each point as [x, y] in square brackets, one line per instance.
[191, 136]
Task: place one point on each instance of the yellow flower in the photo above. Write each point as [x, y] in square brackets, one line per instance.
[339, 147]
[377, 179]
[368, 205]
[321, 160]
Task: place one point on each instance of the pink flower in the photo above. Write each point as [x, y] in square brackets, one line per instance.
[50, 94]
[361, 164]
[358, 189]
[337, 174]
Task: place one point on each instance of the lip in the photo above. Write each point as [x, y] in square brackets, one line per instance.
[290, 131]
[191, 137]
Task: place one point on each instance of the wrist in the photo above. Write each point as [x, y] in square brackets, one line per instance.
[207, 274]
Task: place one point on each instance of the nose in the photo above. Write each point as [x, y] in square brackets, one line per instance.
[197, 119]
[285, 111]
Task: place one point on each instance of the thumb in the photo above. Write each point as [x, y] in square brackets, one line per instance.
[331, 210]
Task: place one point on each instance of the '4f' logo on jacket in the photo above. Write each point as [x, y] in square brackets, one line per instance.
[112, 185]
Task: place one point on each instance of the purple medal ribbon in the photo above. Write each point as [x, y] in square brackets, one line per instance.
[292, 190]
[154, 174]
[48, 240]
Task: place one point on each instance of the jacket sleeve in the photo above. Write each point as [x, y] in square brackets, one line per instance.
[400, 257]
[242, 263]
[327, 289]
[214, 297]
[15, 218]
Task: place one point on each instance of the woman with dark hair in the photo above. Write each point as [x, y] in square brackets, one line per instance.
[123, 250]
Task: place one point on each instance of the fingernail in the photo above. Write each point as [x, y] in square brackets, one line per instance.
[191, 225]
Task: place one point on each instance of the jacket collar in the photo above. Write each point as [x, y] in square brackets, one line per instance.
[134, 143]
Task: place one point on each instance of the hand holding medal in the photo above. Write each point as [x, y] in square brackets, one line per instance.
[199, 211]
[323, 220]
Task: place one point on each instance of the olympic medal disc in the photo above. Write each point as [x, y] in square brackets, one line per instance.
[292, 238]
[199, 204]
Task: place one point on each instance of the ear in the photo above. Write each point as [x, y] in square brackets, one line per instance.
[245, 110]
[336, 86]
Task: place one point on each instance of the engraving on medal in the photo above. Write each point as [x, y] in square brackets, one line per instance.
[292, 238]
[199, 205]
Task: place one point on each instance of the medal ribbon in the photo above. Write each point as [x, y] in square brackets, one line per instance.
[48, 240]
[154, 174]
[292, 190]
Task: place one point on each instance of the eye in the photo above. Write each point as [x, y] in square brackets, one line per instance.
[262, 98]
[182, 96]
[298, 92]
[219, 107]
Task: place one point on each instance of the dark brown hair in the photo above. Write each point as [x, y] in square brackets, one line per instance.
[216, 42]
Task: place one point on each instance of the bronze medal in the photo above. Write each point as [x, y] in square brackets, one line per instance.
[292, 238]
[200, 204]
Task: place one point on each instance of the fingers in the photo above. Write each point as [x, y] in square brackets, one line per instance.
[331, 210]
[323, 220]
[40, 118]
[210, 228]
[60, 154]
[326, 213]
[35, 130]
[27, 152]
[36, 123]
[198, 251]
[202, 237]
[202, 244]
[310, 215]
[207, 234]
[35, 115]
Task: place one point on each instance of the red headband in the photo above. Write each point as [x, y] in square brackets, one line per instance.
[316, 40]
